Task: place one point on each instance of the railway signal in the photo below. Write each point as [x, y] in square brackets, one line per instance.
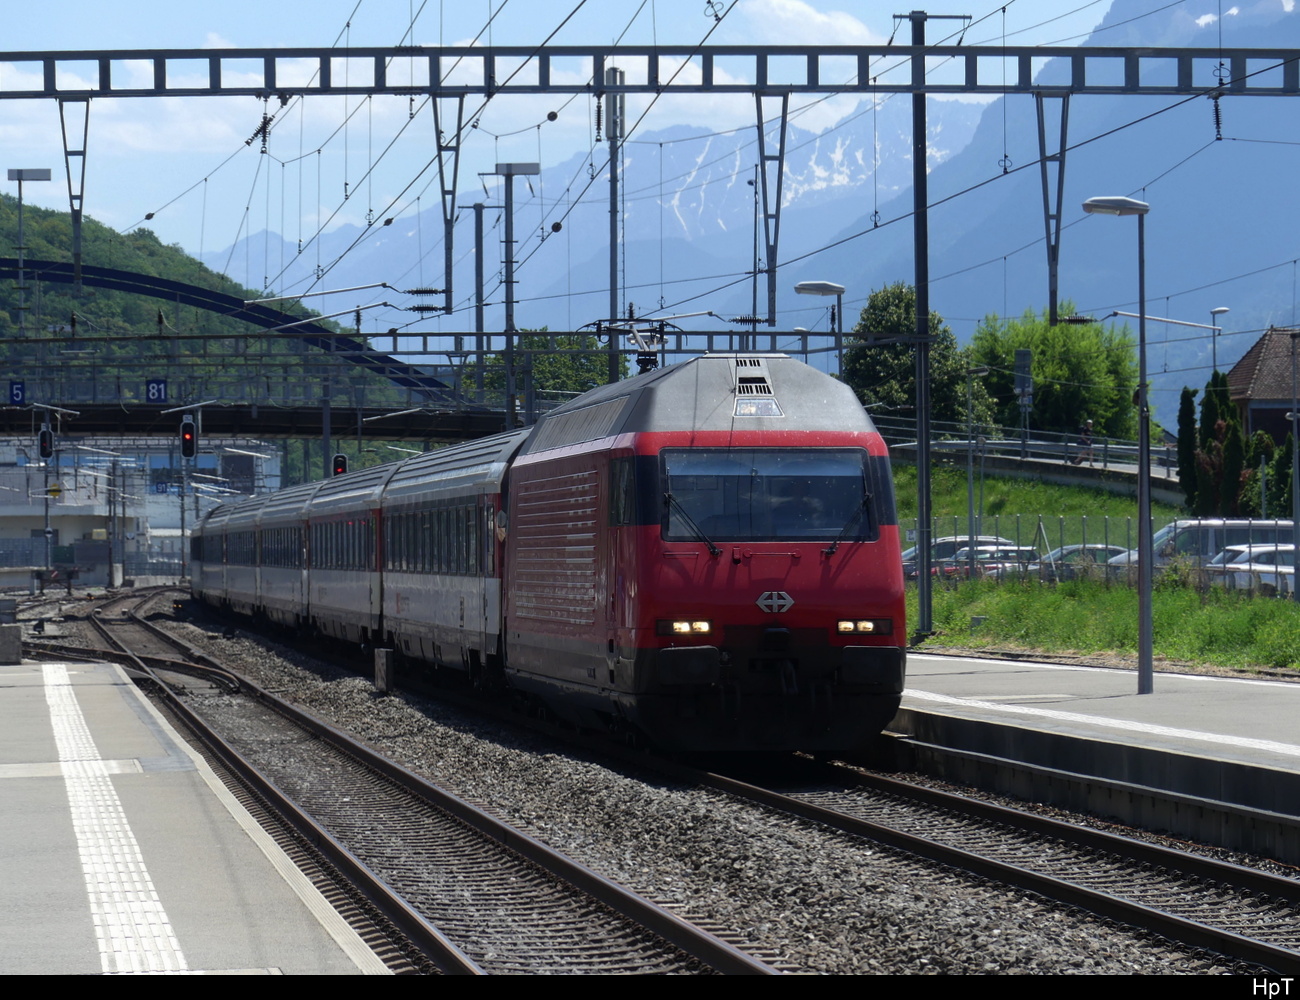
[189, 437]
[340, 464]
[45, 442]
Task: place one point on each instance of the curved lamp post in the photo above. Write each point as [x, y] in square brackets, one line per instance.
[1214, 334]
[829, 288]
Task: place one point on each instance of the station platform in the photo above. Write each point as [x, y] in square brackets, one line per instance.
[123, 853]
[1209, 757]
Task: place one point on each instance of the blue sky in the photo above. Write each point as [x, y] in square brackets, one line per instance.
[145, 154]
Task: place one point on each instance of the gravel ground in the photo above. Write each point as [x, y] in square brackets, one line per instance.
[781, 886]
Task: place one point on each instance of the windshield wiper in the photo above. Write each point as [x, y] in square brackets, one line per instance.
[672, 501]
[853, 519]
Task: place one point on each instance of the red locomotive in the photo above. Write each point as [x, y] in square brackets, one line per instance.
[705, 556]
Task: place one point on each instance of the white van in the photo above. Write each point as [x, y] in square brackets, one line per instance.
[1199, 541]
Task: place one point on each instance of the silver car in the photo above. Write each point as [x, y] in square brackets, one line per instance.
[1267, 568]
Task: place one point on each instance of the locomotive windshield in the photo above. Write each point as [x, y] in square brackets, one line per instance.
[766, 494]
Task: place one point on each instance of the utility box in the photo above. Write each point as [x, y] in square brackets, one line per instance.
[11, 644]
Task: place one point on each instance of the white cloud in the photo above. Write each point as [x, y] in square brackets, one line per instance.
[792, 22]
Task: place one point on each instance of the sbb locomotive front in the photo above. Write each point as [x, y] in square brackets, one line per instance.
[705, 556]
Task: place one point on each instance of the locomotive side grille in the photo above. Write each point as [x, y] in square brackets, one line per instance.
[590, 423]
[555, 545]
[753, 387]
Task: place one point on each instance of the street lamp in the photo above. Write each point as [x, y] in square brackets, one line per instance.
[829, 288]
[1131, 206]
[1214, 335]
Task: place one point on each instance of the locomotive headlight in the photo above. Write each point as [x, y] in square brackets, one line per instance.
[865, 626]
[683, 627]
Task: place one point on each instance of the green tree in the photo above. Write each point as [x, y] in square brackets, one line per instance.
[1215, 405]
[1223, 466]
[1209, 473]
[1279, 481]
[1260, 452]
[1080, 371]
[1234, 467]
[1187, 445]
[563, 365]
[884, 374]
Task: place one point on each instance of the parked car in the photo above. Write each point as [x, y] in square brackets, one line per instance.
[1002, 560]
[1070, 561]
[1267, 568]
[943, 549]
[1198, 541]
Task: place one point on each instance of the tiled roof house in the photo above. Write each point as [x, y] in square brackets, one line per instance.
[1261, 385]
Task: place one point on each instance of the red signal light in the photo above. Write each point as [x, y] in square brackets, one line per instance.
[189, 438]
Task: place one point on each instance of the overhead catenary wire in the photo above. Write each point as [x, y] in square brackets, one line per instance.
[1039, 241]
[470, 118]
[973, 187]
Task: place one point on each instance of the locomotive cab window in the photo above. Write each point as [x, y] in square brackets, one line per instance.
[767, 495]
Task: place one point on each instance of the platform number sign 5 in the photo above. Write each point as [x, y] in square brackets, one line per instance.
[156, 390]
[17, 393]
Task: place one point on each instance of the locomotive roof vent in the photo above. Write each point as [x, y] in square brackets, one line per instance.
[754, 395]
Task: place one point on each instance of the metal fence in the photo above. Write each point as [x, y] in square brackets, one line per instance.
[23, 552]
[983, 441]
[1041, 531]
[1189, 550]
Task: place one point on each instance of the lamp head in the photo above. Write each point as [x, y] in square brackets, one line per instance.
[1115, 205]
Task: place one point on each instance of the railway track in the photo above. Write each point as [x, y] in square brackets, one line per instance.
[487, 898]
[1247, 914]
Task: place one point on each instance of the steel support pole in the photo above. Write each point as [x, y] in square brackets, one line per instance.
[614, 106]
[920, 231]
[1146, 675]
[510, 303]
[1295, 475]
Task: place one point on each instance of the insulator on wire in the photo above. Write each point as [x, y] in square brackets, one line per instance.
[424, 291]
[1218, 119]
